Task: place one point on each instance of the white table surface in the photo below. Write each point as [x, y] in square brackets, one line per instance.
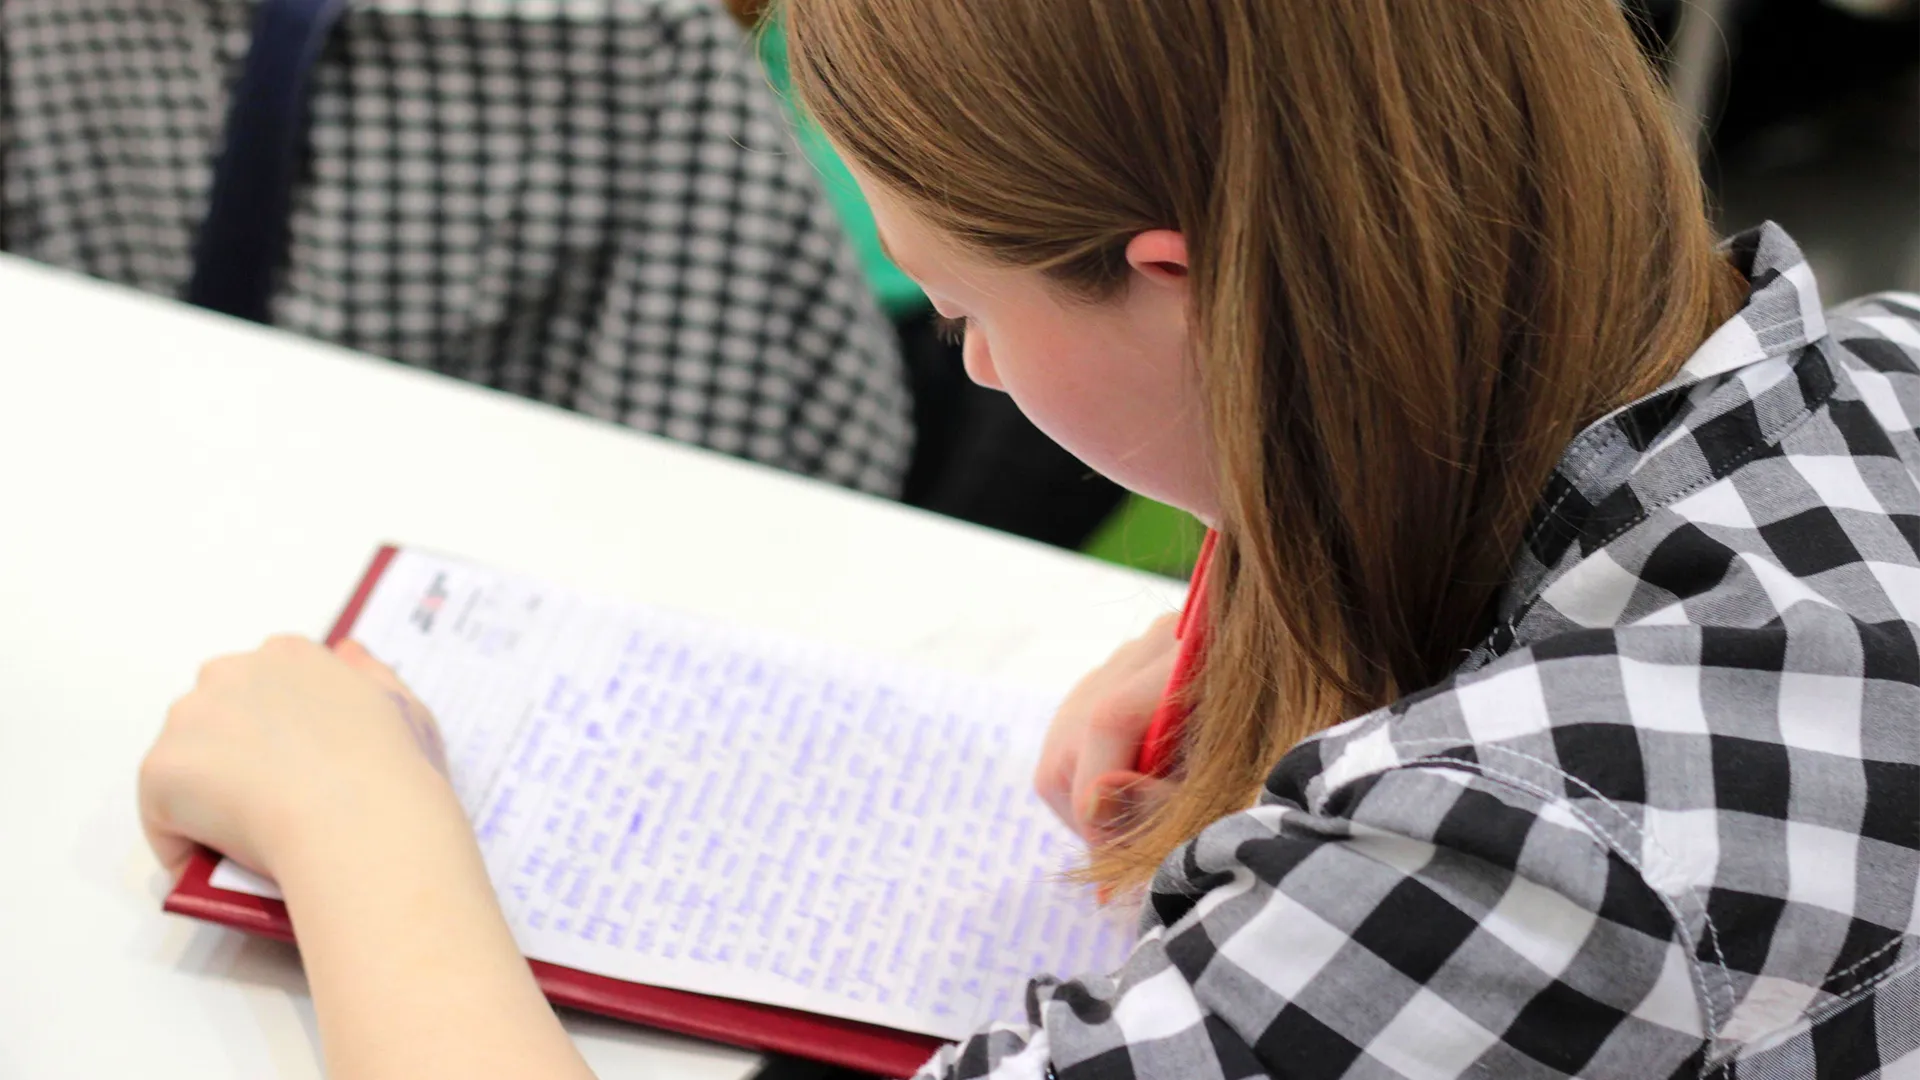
[174, 485]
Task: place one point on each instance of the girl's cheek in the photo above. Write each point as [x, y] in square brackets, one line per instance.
[978, 360]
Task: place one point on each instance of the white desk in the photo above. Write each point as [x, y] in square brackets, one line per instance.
[174, 486]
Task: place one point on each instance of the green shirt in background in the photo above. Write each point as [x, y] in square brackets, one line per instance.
[898, 295]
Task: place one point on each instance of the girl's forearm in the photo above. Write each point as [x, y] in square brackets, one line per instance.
[415, 975]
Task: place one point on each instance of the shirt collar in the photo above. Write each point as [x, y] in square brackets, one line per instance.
[1616, 468]
[1782, 314]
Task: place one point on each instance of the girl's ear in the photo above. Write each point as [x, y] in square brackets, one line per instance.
[1160, 255]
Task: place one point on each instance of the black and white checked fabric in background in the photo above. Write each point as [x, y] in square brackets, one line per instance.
[1665, 824]
[590, 202]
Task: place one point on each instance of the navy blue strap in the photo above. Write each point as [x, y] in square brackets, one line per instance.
[244, 237]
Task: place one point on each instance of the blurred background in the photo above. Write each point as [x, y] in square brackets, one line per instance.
[594, 203]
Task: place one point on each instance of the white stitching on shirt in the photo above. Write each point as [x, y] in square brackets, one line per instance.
[1714, 1022]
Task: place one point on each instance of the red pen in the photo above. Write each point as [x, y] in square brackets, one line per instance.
[1163, 732]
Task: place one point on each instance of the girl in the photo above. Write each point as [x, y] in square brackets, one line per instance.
[1557, 680]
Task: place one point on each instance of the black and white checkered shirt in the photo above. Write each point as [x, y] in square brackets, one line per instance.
[590, 202]
[1665, 824]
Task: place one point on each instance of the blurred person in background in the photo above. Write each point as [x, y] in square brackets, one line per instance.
[592, 204]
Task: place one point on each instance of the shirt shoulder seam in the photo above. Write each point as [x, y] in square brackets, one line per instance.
[1678, 908]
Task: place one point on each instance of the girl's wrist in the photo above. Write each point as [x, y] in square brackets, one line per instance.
[414, 970]
[418, 822]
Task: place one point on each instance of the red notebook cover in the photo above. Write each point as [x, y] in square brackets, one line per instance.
[849, 1043]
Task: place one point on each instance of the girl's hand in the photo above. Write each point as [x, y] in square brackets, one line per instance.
[309, 765]
[1086, 771]
[283, 742]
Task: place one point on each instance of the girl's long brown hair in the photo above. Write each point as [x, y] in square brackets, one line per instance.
[1430, 240]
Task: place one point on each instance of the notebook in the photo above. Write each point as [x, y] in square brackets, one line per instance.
[727, 832]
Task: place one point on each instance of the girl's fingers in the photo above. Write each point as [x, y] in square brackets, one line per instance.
[1123, 797]
[359, 659]
[1055, 786]
[1099, 726]
[154, 793]
[419, 721]
[172, 849]
[1111, 742]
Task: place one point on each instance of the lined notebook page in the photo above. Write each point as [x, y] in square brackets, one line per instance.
[666, 800]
